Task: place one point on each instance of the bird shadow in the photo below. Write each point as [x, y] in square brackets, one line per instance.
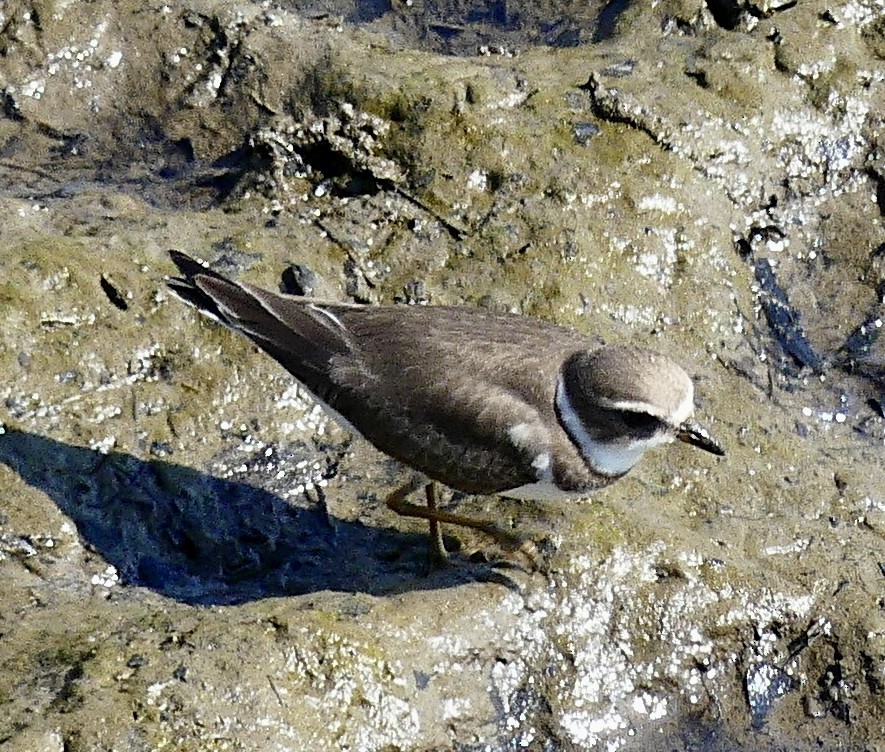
[204, 540]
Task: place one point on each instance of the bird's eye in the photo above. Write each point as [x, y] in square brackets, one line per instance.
[642, 424]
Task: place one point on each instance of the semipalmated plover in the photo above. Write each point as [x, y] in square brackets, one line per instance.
[482, 402]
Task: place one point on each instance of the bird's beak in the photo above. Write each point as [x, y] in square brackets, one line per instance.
[695, 434]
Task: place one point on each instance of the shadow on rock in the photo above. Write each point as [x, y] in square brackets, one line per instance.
[203, 540]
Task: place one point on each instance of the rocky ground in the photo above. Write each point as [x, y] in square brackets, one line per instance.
[193, 557]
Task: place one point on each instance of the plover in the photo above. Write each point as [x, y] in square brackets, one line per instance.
[481, 402]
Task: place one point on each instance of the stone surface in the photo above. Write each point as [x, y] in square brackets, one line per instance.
[193, 557]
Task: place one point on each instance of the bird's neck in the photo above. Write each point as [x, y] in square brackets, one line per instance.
[608, 458]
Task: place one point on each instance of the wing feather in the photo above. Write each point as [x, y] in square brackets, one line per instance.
[437, 389]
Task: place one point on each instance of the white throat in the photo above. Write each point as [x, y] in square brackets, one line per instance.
[607, 458]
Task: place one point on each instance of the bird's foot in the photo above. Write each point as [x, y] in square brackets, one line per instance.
[517, 547]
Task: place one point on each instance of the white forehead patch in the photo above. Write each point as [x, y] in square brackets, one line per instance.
[683, 411]
[686, 407]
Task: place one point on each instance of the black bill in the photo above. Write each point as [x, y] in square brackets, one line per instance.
[695, 434]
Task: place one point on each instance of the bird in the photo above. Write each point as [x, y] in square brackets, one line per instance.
[482, 402]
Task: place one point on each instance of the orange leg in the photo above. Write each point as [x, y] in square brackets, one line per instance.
[438, 547]
[510, 542]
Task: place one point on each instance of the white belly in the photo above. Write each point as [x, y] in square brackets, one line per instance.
[542, 490]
